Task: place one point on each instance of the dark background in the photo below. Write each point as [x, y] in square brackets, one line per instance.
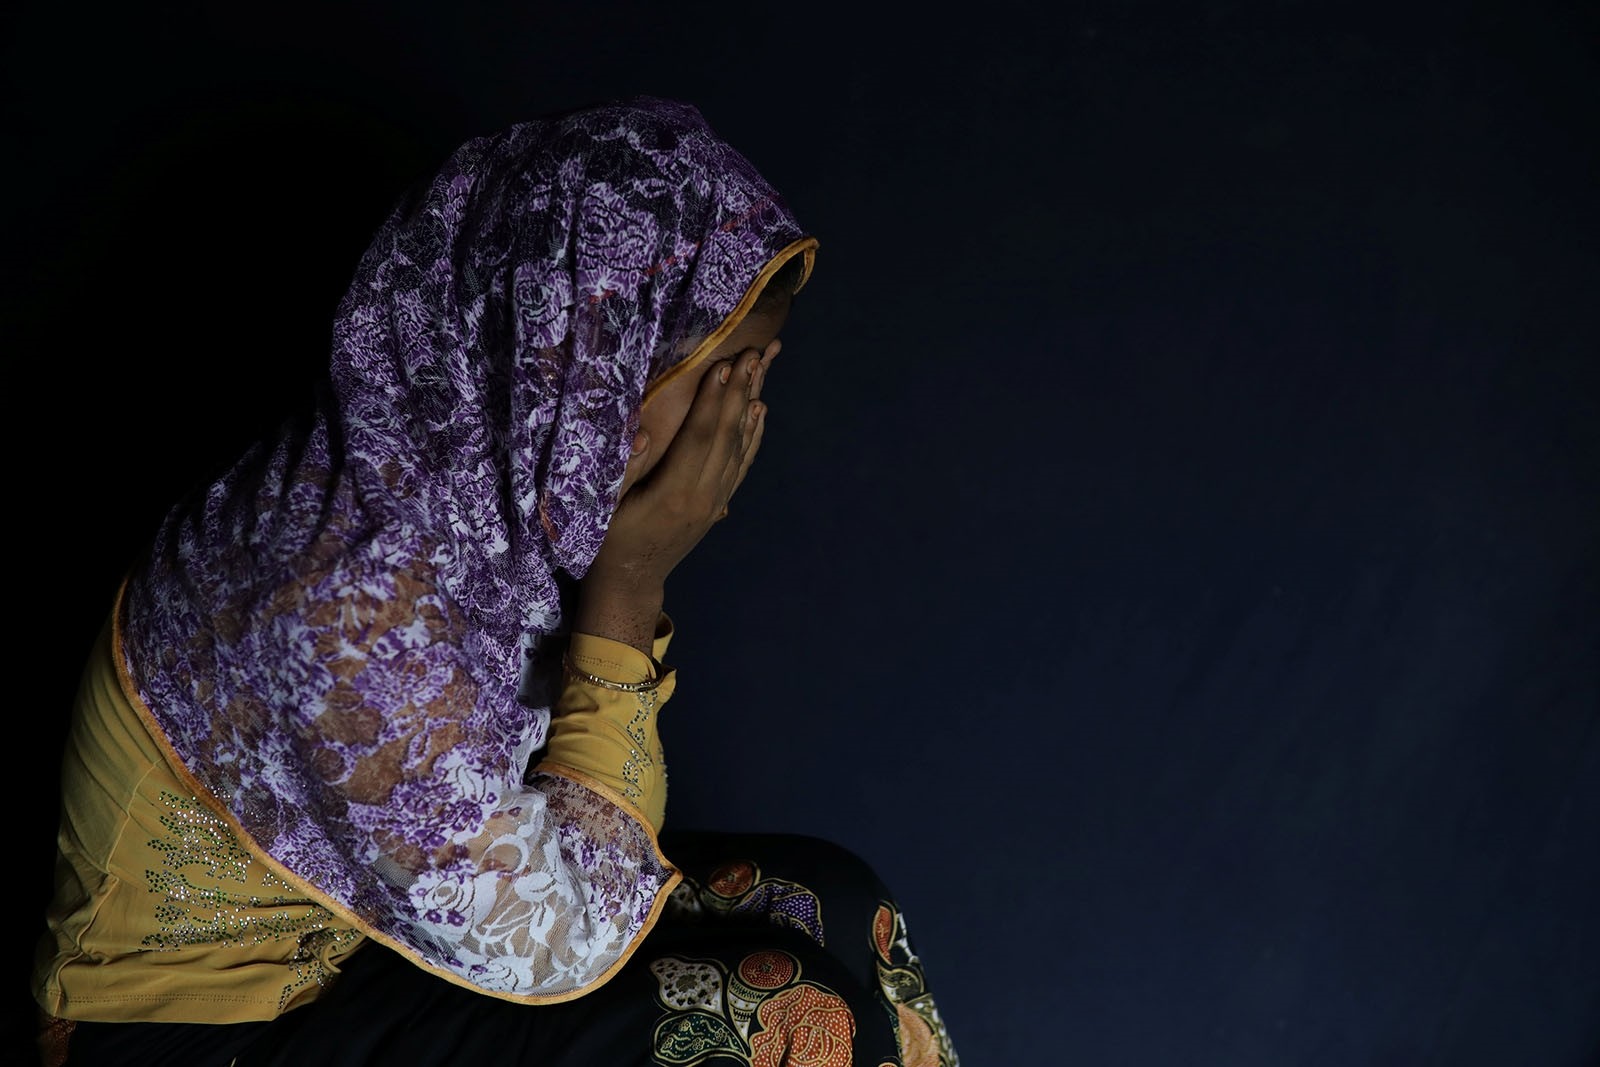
[1173, 557]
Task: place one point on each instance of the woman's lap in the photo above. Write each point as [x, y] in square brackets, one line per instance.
[774, 946]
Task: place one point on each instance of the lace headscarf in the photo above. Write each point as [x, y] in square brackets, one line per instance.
[331, 635]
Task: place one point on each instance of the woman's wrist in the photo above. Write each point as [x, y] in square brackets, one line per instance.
[620, 610]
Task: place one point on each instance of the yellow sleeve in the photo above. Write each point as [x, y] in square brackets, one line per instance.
[610, 735]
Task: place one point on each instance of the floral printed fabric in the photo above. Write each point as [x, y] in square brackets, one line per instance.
[763, 1011]
[828, 998]
[332, 634]
[760, 1014]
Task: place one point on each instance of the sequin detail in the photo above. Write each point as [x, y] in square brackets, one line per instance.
[204, 895]
[639, 758]
[211, 891]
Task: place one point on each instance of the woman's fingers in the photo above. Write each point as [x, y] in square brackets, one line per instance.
[763, 362]
[681, 487]
[713, 449]
[733, 423]
[736, 400]
[758, 420]
[754, 414]
[638, 463]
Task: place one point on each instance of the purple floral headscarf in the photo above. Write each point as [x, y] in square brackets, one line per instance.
[330, 636]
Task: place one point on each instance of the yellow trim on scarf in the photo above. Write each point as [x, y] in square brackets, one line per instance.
[805, 246]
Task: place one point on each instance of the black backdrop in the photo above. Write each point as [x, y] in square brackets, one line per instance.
[1173, 560]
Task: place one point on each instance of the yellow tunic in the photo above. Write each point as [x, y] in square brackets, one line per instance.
[163, 913]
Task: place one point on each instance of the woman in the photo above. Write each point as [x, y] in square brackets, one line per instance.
[364, 767]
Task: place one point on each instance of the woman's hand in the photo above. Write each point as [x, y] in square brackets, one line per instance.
[672, 494]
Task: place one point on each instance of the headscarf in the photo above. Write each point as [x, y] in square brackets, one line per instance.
[330, 636]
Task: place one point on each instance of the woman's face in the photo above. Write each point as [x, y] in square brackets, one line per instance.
[665, 409]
